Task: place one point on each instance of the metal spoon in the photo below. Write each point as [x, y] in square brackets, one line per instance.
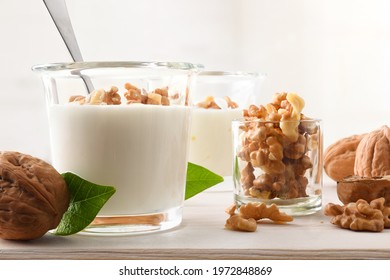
[59, 13]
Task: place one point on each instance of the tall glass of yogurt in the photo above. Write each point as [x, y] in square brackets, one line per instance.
[131, 131]
[218, 98]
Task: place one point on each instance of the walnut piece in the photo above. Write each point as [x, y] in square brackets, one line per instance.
[211, 103]
[296, 150]
[236, 222]
[259, 211]
[133, 94]
[33, 197]
[77, 98]
[360, 216]
[231, 209]
[230, 102]
[112, 96]
[248, 215]
[247, 177]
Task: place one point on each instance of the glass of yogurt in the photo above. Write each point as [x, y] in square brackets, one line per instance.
[131, 132]
[218, 98]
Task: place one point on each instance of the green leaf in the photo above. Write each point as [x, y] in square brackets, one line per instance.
[86, 200]
[199, 179]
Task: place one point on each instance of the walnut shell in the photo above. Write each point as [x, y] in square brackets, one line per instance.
[33, 196]
[353, 188]
[373, 154]
[339, 158]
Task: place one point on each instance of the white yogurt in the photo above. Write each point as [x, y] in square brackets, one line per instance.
[211, 139]
[139, 149]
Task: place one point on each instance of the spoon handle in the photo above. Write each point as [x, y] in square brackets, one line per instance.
[59, 14]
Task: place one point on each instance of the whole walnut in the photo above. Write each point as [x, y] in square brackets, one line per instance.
[373, 154]
[339, 158]
[33, 196]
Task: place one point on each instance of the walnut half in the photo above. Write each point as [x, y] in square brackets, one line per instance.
[360, 216]
[248, 215]
[33, 196]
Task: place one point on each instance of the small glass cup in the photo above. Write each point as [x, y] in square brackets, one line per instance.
[272, 168]
[140, 149]
[218, 98]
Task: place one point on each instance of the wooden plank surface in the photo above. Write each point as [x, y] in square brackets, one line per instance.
[202, 236]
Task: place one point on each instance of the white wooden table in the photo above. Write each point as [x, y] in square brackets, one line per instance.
[202, 236]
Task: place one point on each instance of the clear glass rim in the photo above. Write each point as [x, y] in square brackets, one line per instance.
[231, 74]
[61, 66]
[245, 121]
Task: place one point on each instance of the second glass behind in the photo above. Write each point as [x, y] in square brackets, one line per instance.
[218, 98]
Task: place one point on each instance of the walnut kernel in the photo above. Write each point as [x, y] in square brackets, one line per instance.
[248, 215]
[360, 216]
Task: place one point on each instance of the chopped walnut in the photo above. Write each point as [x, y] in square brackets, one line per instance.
[360, 216]
[112, 96]
[99, 97]
[267, 186]
[163, 92]
[296, 150]
[268, 164]
[255, 112]
[158, 96]
[133, 94]
[154, 99]
[278, 98]
[210, 103]
[245, 153]
[77, 98]
[230, 103]
[96, 97]
[247, 177]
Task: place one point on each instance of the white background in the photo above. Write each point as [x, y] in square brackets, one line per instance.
[334, 53]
